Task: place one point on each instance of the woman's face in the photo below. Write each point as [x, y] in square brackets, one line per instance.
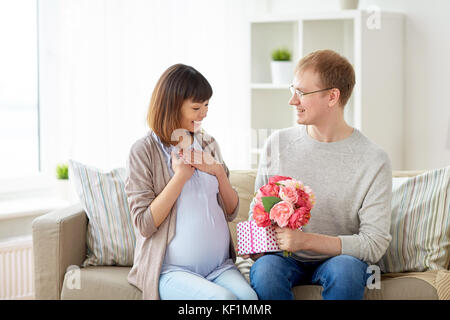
[192, 113]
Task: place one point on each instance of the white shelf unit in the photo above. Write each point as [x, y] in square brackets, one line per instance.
[376, 105]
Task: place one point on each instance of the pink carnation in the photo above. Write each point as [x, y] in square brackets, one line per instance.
[281, 212]
[288, 194]
[260, 216]
[291, 183]
[299, 218]
[303, 200]
[258, 196]
[269, 190]
[305, 218]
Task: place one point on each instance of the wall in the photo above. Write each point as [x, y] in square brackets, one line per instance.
[100, 60]
[426, 64]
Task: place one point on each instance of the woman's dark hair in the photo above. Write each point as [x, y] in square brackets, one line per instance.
[177, 84]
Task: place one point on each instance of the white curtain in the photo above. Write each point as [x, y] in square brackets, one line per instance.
[100, 59]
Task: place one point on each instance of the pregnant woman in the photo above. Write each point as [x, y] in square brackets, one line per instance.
[180, 199]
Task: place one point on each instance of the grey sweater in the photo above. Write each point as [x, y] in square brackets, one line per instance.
[352, 181]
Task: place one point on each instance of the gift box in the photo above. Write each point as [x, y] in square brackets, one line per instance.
[253, 239]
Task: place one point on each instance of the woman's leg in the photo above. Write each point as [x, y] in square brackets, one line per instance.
[179, 285]
[234, 281]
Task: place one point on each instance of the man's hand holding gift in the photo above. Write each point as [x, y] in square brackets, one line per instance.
[290, 240]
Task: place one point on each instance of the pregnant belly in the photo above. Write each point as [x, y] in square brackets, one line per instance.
[199, 246]
[201, 241]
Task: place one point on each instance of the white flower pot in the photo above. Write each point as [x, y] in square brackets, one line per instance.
[66, 191]
[282, 72]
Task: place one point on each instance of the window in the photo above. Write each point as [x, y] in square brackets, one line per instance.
[19, 123]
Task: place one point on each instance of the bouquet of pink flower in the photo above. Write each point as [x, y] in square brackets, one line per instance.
[283, 201]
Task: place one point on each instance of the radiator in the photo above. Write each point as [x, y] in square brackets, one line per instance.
[16, 269]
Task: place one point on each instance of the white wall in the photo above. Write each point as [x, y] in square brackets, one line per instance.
[427, 68]
[101, 58]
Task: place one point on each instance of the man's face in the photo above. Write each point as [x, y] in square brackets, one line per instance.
[311, 107]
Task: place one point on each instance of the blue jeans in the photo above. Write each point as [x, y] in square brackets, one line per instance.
[342, 277]
[229, 285]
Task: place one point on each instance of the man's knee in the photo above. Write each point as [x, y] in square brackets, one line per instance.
[344, 261]
[265, 265]
[345, 267]
[266, 269]
[270, 278]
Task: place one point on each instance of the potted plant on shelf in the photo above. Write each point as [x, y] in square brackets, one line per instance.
[62, 171]
[281, 66]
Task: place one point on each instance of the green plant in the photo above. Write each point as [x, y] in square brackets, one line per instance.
[281, 54]
[62, 171]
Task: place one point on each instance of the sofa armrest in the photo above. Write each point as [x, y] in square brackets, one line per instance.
[59, 240]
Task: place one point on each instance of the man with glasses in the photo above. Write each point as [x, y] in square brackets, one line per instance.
[351, 179]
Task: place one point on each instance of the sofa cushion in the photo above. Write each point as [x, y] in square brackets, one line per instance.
[110, 283]
[100, 283]
[420, 224]
[395, 288]
[110, 235]
[391, 289]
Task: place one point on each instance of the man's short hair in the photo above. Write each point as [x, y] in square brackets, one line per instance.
[333, 69]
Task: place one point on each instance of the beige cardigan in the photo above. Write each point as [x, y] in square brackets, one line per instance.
[147, 176]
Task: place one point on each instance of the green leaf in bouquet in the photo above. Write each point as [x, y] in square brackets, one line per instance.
[269, 202]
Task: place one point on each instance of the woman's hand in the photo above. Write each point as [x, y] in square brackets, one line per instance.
[202, 161]
[205, 162]
[163, 203]
[181, 168]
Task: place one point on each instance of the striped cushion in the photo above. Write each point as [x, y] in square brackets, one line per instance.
[420, 223]
[110, 235]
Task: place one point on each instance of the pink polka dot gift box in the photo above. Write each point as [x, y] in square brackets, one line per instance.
[253, 239]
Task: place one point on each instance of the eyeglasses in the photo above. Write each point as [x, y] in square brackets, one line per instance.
[301, 94]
